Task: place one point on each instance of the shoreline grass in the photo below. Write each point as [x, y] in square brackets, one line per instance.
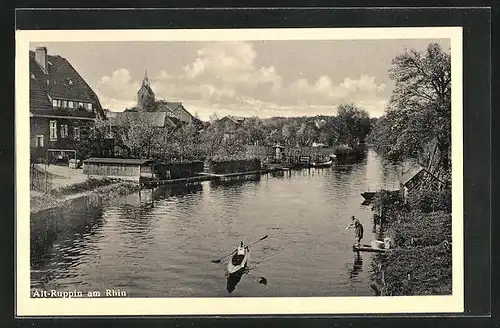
[421, 263]
[94, 189]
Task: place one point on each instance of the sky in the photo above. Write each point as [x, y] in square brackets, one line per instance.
[247, 78]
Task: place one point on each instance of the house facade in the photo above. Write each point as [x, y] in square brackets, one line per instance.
[230, 125]
[62, 106]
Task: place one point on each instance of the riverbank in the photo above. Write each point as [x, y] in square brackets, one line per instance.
[95, 189]
[421, 262]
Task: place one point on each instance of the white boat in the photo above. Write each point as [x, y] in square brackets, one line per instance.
[238, 261]
[322, 164]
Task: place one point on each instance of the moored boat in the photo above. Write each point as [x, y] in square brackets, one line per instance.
[368, 195]
[322, 164]
[368, 248]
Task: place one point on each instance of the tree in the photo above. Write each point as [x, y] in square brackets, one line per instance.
[352, 124]
[419, 113]
[95, 141]
[254, 131]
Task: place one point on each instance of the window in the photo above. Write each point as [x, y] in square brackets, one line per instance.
[70, 104]
[64, 104]
[76, 133]
[64, 130]
[53, 130]
[39, 140]
[54, 103]
[89, 106]
[80, 105]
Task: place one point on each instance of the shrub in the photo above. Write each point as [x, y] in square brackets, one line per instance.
[430, 201]
[429, 270]
[421, 229]
[391, 201]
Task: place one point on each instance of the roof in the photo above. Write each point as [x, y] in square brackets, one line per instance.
[406, 177]
[147, 87]
[233, 119]
[64, 82]
[173, 107]
[130, 161]
[159, 119]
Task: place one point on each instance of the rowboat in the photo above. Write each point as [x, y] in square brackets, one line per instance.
[322, 164]
[236, 267]
[368, 195]
[367, 248]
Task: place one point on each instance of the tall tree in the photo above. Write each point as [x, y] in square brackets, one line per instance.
[419, 113]
[352, 124]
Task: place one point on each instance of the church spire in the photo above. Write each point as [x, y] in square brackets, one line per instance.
[145, 81]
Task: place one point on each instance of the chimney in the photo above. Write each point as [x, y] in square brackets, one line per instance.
[41, 58]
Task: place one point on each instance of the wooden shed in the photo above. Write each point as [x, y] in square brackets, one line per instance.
[119, 168]
[419, 178]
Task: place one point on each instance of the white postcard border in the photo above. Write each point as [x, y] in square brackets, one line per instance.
[27, 306]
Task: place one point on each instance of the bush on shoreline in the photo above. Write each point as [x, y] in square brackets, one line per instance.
[419, 271]
[420, 264]
[419, 229]
[430, 201]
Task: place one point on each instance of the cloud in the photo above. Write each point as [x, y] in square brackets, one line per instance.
[117, 91]
[225, 77]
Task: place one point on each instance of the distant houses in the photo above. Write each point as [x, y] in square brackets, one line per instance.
[62, 106]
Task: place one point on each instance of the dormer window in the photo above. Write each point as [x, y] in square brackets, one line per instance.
[33, 76]
[70, 82]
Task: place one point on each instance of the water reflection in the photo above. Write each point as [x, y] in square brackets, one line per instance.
[357, 266]
[59, 239]
[234, 182]
[178, 190]
[233, 279]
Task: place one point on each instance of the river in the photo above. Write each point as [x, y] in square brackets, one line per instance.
[160, 243]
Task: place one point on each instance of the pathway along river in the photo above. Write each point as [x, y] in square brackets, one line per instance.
[165, 250]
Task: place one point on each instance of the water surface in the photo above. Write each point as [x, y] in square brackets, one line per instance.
[159, 243]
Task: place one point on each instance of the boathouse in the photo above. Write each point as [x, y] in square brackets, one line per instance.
[419, 178]
[118, 168]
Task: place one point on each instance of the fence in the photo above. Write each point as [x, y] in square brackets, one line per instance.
[39, 180]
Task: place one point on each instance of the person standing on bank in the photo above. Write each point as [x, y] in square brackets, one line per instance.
[358, 234]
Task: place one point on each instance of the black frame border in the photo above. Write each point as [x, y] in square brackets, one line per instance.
[476, 23]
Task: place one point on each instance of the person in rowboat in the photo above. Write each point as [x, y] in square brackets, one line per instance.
[239, 254]
[358, 234]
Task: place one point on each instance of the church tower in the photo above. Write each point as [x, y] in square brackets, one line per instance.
[145, 95]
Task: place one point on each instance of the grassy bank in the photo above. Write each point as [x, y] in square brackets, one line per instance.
[94, 189]
[421, 262]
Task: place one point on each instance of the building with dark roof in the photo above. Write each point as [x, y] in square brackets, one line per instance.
[154, 119]
[62, 105]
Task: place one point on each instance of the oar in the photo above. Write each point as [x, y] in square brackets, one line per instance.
[219, 260]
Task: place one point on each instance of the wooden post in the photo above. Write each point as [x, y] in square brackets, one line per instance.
[46, 179]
